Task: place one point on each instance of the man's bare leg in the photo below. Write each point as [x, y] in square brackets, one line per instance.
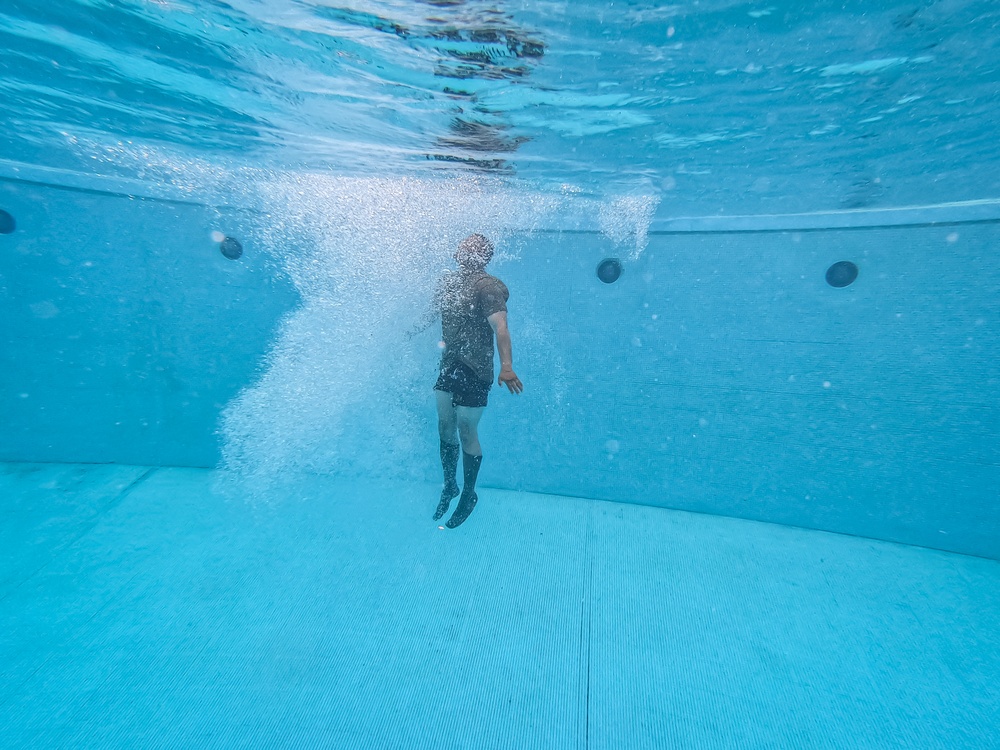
[468, 418]
[448, 432]
[447, 417]
[472, 458]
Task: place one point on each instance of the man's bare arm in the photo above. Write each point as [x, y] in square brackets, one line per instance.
[498, 321]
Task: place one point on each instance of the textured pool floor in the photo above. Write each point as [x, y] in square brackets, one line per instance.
[138, 608]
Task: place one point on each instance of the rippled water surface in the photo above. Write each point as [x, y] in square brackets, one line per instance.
[713, 106]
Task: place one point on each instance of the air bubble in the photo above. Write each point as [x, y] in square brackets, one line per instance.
[364, 255]
[628, 217]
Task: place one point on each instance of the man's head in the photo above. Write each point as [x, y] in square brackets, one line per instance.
[474, 252]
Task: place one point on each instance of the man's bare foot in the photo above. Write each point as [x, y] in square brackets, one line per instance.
[465, 507]
[447, 494]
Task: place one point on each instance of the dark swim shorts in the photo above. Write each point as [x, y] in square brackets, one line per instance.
[461, 382]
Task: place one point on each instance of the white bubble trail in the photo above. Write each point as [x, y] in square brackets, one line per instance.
[342, 389]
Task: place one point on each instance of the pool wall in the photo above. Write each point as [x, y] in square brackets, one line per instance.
[720, 373]
[125, 329]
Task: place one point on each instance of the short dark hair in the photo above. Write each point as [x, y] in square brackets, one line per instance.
[476, 248]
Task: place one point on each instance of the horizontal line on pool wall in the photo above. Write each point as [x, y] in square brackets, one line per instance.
[985, 211]
[114, 187]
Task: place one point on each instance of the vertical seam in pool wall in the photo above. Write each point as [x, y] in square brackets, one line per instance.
[588, 593]
[586, 620]
[986, 210]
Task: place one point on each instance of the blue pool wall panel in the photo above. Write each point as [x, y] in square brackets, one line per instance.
[722, 374]
[125, 330]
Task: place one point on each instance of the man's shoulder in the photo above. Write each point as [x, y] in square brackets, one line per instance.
[487, 280]
[492, 294]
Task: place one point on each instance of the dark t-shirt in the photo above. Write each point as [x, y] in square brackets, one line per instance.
[465, 300]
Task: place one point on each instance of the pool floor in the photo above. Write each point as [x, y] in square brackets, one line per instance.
[141, 608]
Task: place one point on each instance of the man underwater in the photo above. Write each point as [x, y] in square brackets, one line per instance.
[473, 309]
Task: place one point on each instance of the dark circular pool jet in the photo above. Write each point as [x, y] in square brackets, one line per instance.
[841, 273]
[7, 223]
[609, 270]
[231, 248]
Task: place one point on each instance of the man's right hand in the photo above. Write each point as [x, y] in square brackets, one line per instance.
[510, 379]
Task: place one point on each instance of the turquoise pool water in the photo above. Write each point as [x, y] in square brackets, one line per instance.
[748, 497]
